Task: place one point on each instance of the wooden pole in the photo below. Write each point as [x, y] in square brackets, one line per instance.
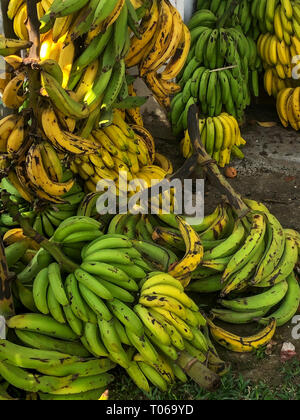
[33, 25]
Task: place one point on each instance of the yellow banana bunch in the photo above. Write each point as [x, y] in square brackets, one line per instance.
[193, 257]
[164, 45]
[274, 84]
[279, 55]
[288, 107]
[221, 138]
[121, 148]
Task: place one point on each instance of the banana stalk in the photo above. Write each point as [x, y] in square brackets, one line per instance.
[204, 377]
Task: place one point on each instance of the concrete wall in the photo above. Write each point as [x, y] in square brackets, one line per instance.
[185, 7]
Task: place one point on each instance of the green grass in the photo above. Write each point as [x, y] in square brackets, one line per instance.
[234, 387]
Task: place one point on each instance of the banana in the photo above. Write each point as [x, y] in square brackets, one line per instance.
[40, 287]
[43, 325]
[240, 344]
[21, 379]
[153, 376]
[55, 308]
[33, 358]
[155, 327]
[194, 251]
[42, 342]
[253, 241]
[62, 100]
[143, 346]
[83, 369]
[93, 284]
[289, 305]
[85, 384]
[95, 303]
[269, 298]
[113, 344]
[13, 96]
[138, 377]
[38, 175]
[285, 266]
[126, 316]
[233, 317]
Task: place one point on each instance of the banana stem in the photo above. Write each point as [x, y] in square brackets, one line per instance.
[211, 168]
[28, 231]
[198, 372]
[6, 299]
[33, 26]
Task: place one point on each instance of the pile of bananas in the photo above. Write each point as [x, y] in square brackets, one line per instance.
[242, 14]
[288, 107]
[221, 137]
[111, 309]
[161, 49]
[250, 261]
[221, 67]
[279, 62]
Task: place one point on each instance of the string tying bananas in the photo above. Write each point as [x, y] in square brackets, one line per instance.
[221, 138]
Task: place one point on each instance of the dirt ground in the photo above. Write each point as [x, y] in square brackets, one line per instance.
[270, 173]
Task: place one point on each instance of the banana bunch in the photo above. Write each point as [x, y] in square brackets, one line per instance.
[122, 148]
[288, 107]
[274, 84]
[240, 16]
[93, 312]
[210, 80]
[221, 138]
[278, 55]
[40, 364]
[161, 49]
[279, 17]
[141, 229]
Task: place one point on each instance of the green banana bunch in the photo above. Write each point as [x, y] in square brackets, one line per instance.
[241, 15]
